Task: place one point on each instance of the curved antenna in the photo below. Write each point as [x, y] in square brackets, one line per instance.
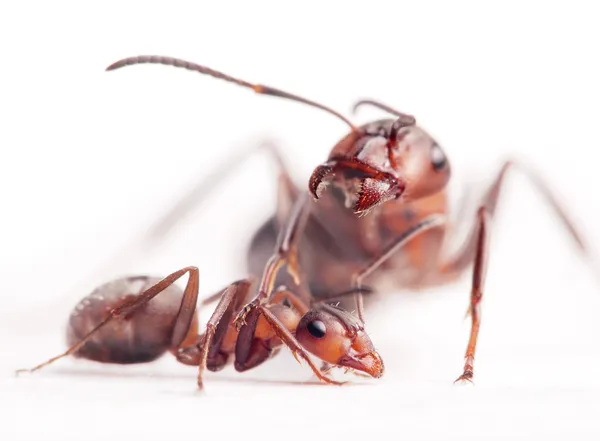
[402, 121]
[381, 106]
[258, 88]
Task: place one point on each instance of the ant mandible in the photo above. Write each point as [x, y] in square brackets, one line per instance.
[377, 212]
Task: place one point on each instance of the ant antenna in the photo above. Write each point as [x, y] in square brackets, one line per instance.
[380, 106]
[402, 121]
[258, 88]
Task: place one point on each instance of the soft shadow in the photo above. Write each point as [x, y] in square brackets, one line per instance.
[210, 378]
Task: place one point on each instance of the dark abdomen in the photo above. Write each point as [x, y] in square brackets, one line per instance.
[142, 337]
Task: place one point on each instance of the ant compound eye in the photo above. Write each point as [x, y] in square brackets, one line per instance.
[316, 328]
[437, 157]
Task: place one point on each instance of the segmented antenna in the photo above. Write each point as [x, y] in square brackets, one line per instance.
[258, 88]
[383, 107]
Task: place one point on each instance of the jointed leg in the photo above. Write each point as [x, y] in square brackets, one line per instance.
[218, 324]
[159, 232]
[360, 308]
[476, 250]
[182, 323]
[479, 273]
[204, 188]
[357, 292]
[249, 352]
[286, 250]
[465, 256]
[430, 222]
[285, 254]
[290, 341]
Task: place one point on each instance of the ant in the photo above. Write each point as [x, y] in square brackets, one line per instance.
[374, 211]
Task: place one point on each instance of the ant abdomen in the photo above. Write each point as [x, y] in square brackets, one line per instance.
[141, 337]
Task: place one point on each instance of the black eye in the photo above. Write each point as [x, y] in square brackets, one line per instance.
[438, 158]
[316, 328]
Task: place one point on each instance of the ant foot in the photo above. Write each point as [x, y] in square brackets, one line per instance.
[465, 378]
[240, 319]
[27, 371]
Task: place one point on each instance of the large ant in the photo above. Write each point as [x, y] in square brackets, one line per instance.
[374, 211]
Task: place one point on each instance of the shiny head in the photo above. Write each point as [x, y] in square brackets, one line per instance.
[376, 163]
[339, 338]
[383, 161]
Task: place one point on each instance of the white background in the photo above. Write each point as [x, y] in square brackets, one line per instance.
[90, 159]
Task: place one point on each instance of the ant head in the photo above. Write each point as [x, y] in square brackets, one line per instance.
[375, 163]
[382, 161]
[339, 338]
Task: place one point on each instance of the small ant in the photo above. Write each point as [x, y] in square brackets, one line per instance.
[375, 210]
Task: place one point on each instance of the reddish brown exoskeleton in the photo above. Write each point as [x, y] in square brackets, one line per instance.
[375, 210]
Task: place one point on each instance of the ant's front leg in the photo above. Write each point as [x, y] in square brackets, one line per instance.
[246, 343]
[286, 253]
[476, 251]
[207, 353]
[329, 333]
[254, 346]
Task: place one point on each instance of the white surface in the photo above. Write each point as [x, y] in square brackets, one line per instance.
[90, 158]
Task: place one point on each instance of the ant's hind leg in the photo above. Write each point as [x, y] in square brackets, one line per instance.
[287, 192]
[160, 230]
[183, 321]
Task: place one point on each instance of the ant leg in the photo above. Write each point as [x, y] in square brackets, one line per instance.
[285, 254]
[326, 367]
[479, 272]
[290, 341]
[218, 325]
[183, 320]
[286, 251]
[430, 222]
[249, 352]
[160, 230]
[476, 250]
[288, 191]
[490, 201]
[191, 353]
[360, 308]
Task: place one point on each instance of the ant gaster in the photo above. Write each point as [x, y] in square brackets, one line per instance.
[375, 210]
